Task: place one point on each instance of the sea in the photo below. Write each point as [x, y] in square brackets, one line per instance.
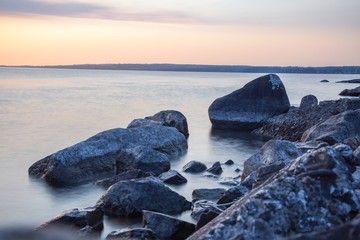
[44, 110]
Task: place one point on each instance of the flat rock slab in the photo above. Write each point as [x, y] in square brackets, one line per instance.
[148, 148]
[129, 198]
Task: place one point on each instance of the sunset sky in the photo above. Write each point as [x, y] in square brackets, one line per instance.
[236, 32]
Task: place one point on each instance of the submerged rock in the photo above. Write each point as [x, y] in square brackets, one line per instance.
[148, 148]
[129, 198]
[213, 194]
[336, 129]
[313, 193]
[132, 234]
[194, 167]
[249, 107]
[167, 227]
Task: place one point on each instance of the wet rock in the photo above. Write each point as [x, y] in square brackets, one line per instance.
[132, 234]
[349, 81]
[233, 194]
[336, 129]
[169, 118]
[229, 162]
[324, 81]
[313, 193]
[167, 227]
[131, 174]
[355, 92]
[129, 198]
[249, 107]
[194, 167]
[308, 102]
[172, 177]
[292, 125]
[272, 151]
[77, 218]
[215, 168]
[204, 211]
[148, 148]
[208, 194]
[20, 233]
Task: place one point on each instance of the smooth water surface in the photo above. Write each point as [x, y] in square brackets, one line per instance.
[45, 110]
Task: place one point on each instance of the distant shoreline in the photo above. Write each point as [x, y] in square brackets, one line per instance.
[207, 68]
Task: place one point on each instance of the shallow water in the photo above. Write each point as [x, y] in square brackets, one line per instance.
[45, 110]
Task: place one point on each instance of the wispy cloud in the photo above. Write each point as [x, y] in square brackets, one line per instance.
[91, 10]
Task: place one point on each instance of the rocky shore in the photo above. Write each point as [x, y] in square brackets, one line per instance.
[302, 184]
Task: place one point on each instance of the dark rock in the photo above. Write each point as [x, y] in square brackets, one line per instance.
[206, 217]
[128, 175]
[194, 167]
[111, 152]
[308, 102]
[249, 107]
[132, 234]
[310, 145]
[292, 125]
[208, 194]
[355, 92]
[336, 129]
[129, 198]
[233, 194]
[349, 81]
[356, 157]
[272, 151]
[202, 206]
[324, 81]
[169, 118]
[237, 170]
[348, 231]
[167, 227]
[215, 168]
[77, 218]
[172, 177]
[353, 142]
[313, 193]
[229, 162]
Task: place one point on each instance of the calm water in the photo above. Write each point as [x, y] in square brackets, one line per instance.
[45, 110]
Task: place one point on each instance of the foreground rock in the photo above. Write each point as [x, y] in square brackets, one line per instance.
[90, 218]
[167, 227]
[292, 125]
[148, 148]
[132, 234]
[355, 92]
[129, 198]
[336, 129]
[249, 107]
[313, 193]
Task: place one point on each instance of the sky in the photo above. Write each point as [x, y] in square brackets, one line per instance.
[221, 32]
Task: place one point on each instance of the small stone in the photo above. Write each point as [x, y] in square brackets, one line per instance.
[229, 162]
[172, 177]
[194, 167]
[215, 169]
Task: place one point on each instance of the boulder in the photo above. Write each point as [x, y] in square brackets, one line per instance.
[213, 194]
[129, 198]
[355, 92]
[271, 152]
[77, 218]
[167, 227]
[215, 168]
[128, 175]
[336, 129]
[249, 107]
[292, 125]
[148, 148]
[172, 177]
[132, 234]
[308, 102]
[194, 167]
[169, 118]
[313, 193]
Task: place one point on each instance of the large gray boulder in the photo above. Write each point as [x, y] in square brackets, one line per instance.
[249, 107]
[312, 193]
[129, 198]
[148, 148]
[336, 129]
